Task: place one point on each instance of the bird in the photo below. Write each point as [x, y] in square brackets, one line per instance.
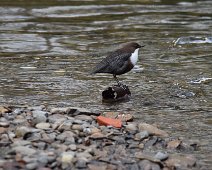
[119, 61]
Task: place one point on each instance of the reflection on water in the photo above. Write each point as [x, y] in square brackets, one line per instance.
[47, 50]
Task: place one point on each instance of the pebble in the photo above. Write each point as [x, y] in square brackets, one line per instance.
[131, 127]
[56, 118]
[66, 125]
[4, 124]
[84, 118]
[141, 135]
[152, 130]
[32, 165]
[43, 125]
[161, 156]
[181, 162]
[24, 150]
[73, 147]
[67, 157]
[59, 110]
[174, 144]
[39, 116]
[21, 131]
[77, 127]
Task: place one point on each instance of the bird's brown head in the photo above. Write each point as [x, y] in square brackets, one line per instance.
[131, 47]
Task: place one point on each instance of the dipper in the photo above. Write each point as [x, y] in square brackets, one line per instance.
[120, 61]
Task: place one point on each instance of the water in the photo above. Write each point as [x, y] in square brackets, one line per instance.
[48, 48]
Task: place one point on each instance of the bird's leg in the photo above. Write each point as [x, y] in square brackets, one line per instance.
[119, 84]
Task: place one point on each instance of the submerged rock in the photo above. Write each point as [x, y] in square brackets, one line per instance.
[116, 93]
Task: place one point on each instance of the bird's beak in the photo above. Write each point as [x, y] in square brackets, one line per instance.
[142, 46]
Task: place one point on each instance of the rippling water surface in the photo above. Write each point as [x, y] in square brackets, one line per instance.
[48, 48]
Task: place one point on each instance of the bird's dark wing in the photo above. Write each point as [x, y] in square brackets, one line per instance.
[111, 63]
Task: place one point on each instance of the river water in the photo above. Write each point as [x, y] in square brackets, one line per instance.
[48, 48]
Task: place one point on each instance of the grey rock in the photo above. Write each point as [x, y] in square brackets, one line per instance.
[56, 118]
[131, 127]
[64, 135]
[32, 136]
[39, 116]
[32, 165]
[67, 157]
[17, 111]
[81, 111]
[76, 121]
[5, 124]
[21, 131]
[147, 165]
[161, 156]
[40, 145]
[73, 147]
[69, 140]
[19, 121]
[38, 108]
[77, 127]
[60, 110]
[43, 159]
[24, 150]
[21, 143]
[65, 125]
[49, 138]
[81, 163]
[141, 135]
[43, 125]
[84, 118]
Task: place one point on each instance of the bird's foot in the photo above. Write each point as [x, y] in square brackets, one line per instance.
[125, 87]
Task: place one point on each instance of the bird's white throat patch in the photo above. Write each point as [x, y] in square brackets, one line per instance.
[134, 57]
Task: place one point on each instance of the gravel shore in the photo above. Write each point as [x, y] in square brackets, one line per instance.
[71, 138]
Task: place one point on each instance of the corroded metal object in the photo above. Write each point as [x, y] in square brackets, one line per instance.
[116, 93]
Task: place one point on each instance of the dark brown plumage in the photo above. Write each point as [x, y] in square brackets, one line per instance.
[120, 61]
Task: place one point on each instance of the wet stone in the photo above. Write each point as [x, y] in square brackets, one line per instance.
[179, 161]
[32, 165]
[147, 165]
[174, 144]
[36, 108]
[152, 141]
[73, 147]
[4, 124]
[60, 110]
[21, 131]
[43, 125]
[66, 125]
[24, 150]
[81, 163]
[152, 130]
[39, 116]
[67, 157]
[161, 156]
[77, 127]
[56, 118]
[84, 118]
[73, 111]
[141, 135]
[131, 127]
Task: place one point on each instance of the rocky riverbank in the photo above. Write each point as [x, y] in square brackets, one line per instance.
[71, 138]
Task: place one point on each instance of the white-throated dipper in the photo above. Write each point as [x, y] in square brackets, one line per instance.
[120, 61]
